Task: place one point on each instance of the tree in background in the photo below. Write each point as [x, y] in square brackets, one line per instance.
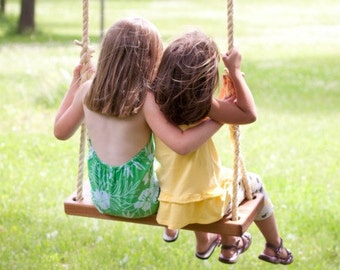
[2, 6]
[26, 20]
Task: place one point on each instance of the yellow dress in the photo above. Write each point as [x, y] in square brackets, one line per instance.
[193, 187]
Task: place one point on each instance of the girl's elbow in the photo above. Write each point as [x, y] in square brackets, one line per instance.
[252, 117]
[246, 119]
[60, 134]
[182, 150]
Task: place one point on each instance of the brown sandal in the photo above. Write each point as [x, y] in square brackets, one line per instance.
[206, 254]
[246, 239]
[276, 259]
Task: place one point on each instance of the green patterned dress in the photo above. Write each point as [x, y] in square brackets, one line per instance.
[130, 190]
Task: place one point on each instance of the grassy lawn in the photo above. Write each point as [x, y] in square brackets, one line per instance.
[291, 60]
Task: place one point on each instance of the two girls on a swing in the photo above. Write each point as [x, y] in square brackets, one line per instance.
[120, 112]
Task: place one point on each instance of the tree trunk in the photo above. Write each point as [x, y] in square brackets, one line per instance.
[2, 6]
[26, 20]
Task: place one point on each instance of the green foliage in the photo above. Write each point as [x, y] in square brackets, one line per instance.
[291, 54]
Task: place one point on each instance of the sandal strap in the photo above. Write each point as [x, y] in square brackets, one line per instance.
[274, 248]
[235, 246]
[244, 242]
[278, 250]
[228, 247]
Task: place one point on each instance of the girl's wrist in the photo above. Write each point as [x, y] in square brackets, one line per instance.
[235, 73]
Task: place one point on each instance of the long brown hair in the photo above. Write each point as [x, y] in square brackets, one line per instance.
[130, 54]
[187, 77]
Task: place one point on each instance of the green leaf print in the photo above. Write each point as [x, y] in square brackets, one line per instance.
[129, 190]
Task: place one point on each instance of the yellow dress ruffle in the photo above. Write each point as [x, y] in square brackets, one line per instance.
[193, 187]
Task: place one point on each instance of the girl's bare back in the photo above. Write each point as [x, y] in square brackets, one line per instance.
[116, 140]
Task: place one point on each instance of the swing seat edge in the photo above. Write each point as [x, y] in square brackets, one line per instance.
[247, 211]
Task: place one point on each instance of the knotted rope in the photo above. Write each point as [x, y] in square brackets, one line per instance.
[234, 130]
[85, 74]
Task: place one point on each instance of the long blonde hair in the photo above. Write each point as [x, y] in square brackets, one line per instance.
[130, 54]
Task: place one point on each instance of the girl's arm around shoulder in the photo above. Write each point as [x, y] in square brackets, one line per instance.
[182, 142]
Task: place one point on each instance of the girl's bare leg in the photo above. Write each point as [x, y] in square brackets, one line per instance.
[204, 241]
[270, 232]
[229, 241]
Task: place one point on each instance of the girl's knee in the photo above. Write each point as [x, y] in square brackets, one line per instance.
[253, 177]
[255, 183]
[265, 213]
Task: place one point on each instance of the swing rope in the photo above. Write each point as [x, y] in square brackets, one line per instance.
[85, 61]
[234, 130]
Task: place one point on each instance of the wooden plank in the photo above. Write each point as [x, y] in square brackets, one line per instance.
[246, 211]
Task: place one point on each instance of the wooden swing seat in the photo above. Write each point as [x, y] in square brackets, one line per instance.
[247, 211]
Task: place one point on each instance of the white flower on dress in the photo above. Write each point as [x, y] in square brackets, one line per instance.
[102, 198]
[145, 199]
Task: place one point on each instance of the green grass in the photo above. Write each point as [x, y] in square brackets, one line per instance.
[291, 61]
